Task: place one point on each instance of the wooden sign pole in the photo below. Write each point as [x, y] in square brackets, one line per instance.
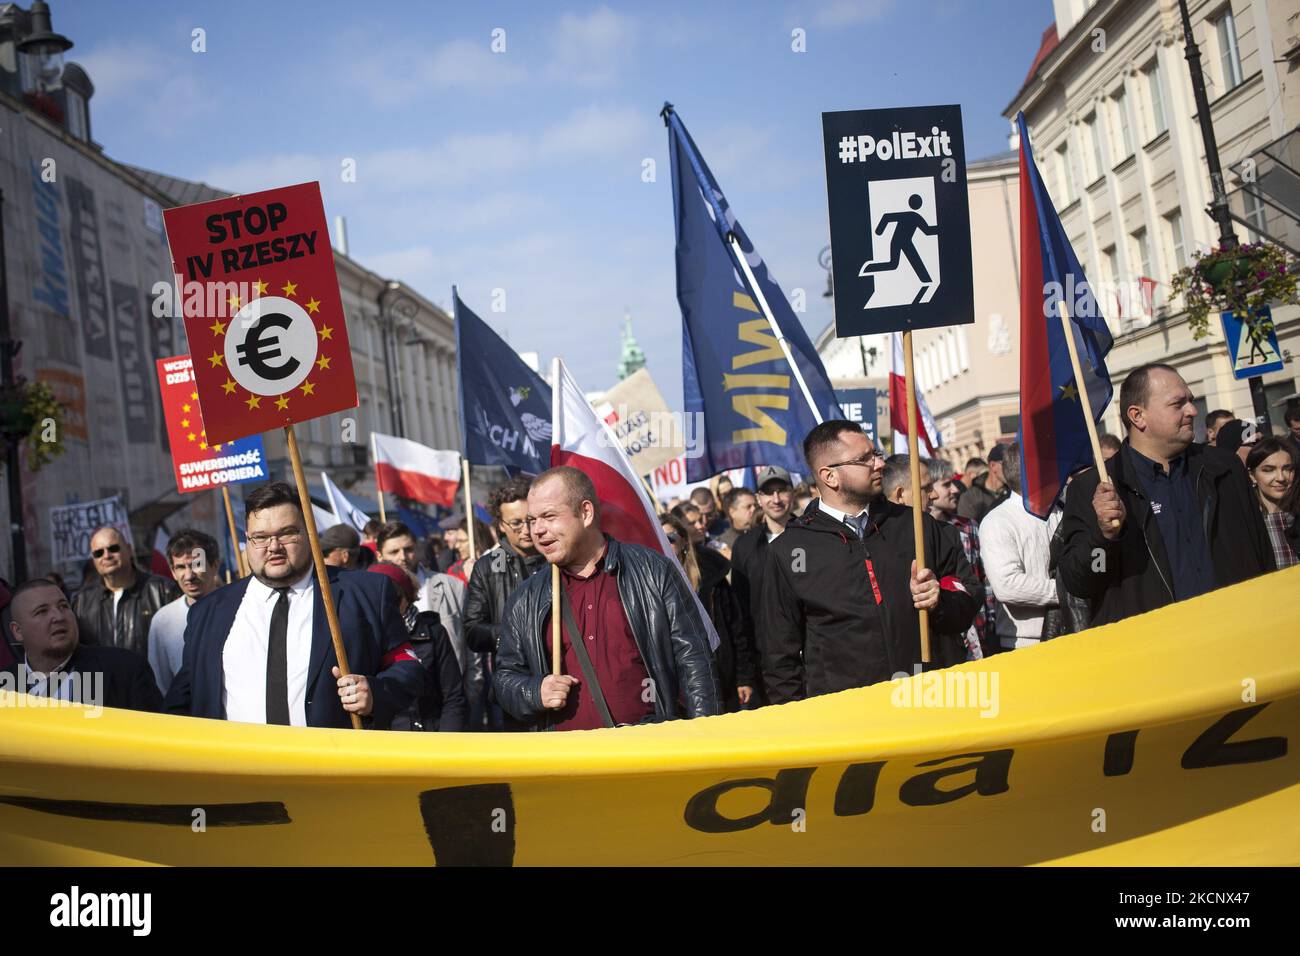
[379, 489]
[1084, 401]
[469, 510]
[914, 462]
[555, 619]
[240, 566]
[322, 574]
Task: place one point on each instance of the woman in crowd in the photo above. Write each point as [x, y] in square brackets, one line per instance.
[1272, 467]
[707, 571]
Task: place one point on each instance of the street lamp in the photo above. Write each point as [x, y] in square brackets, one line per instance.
[1218, 209]
[46, 47]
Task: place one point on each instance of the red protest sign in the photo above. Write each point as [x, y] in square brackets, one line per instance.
[199, 463]
[262, 310]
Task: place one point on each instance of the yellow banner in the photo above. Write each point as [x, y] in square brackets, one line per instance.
[1167, 739]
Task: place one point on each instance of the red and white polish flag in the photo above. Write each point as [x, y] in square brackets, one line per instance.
[627, 512]
[415, 471]
[928, 440]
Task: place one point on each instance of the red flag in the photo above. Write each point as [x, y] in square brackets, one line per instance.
[928, 438]
[416, 471]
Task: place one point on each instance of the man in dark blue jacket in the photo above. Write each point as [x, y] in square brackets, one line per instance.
[259, 651]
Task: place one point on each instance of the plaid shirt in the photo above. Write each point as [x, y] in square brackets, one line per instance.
[1278, 523]
[983, 632]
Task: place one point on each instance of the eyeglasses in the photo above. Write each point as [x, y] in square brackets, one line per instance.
[262, 541]
[672, 536]
[111, 549]
[866, 460]
[516, 525]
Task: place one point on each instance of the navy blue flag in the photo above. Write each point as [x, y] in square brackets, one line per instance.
[505, 407]
[734, 371]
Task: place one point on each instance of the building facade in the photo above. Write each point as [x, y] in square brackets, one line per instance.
[1109, 107]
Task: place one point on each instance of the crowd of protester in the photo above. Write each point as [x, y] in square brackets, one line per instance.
[775, 593]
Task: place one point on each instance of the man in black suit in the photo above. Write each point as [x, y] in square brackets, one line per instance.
[58, 666]
[259, 651]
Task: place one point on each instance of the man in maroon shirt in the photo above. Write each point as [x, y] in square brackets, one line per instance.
[645, 639]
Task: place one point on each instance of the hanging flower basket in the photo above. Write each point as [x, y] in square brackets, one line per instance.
[30, 414]
[1241, 280]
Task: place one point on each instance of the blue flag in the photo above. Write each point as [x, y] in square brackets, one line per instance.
[734, 371]
[505, 407]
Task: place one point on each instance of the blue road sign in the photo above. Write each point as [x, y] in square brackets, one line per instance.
[1251, 358]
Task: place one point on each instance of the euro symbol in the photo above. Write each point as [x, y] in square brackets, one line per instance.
[254, 353]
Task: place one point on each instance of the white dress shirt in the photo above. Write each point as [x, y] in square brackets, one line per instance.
[835, 513]
[243, 659]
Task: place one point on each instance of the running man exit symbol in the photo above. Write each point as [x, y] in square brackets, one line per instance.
[903, 216]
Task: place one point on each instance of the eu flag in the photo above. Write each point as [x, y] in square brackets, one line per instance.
[505, 407]
[736, 379]
[1054, 438]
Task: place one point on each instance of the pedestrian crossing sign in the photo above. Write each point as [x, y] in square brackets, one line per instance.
[1251, 357]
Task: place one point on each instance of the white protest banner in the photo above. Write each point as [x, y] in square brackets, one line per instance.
[637, 414]
[72, 525]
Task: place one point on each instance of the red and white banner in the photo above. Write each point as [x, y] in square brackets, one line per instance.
[929, 437]
[415, 471]
[583, 441]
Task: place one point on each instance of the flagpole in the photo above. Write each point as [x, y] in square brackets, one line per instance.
[379, 489]
[776, 329]
[1097, 459]
[318, 558]
[234, 535]
[555, 619]
[914, 467]
[469, 508]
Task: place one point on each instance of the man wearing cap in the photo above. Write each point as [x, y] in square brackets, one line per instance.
[341, 546]
[748, 554]
[987, 491]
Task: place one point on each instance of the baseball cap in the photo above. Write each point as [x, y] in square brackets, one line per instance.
[771, 473]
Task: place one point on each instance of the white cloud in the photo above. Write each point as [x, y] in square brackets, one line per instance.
[589, 50]
[843, 13]
[405, 73]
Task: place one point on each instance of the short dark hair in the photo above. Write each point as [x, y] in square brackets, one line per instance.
[735, 494]
[339, 536]
[1292, 413]
[576, 484]
[1136, 389]
[1105, 440]
[700, 495]
[1011, 466]
[1216, 416]
[516, 489]
[897, 472]
[31, 584]
[185, 541]
[825, 435]
[271, 495]
[394, 529]
[372, 526]
[1269, 446]
[679, 511]
[975, 463]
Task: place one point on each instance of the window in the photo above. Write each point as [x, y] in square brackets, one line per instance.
[1229, 55]
[1274, 394]
[941, 356]
[1009, 424]
[1107, 299]
[1177, 243]
[1256, 215]
[951, 341]
[1154, 91]
[1124, 141]
[1064, 174]
[1142, 246]
[963, 349]
[1094, 141]
[77, 115]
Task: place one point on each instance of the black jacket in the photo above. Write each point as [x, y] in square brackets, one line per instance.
[1131, 574]
[495, 576]
[442, 705]
[977, 501]
[128, 680]
[748, 559]
[93, 606]
[825, 631]
[664, 619]
[736, 656]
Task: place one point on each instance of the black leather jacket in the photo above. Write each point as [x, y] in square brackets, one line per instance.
[664, 618]
[93, 606]
[496, 574]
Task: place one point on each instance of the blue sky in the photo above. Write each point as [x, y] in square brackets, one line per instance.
[522, 170]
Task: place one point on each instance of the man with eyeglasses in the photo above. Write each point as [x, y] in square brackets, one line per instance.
[259, 651]
[495, 576]
[116, 610]
[841, 586]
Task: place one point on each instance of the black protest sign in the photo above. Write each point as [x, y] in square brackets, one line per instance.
[899, 219]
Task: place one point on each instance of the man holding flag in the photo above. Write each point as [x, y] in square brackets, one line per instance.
[1165, 519]
[630, 623]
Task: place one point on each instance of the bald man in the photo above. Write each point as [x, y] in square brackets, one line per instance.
[117, 609]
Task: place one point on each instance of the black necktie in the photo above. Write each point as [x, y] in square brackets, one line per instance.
[277, 662]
